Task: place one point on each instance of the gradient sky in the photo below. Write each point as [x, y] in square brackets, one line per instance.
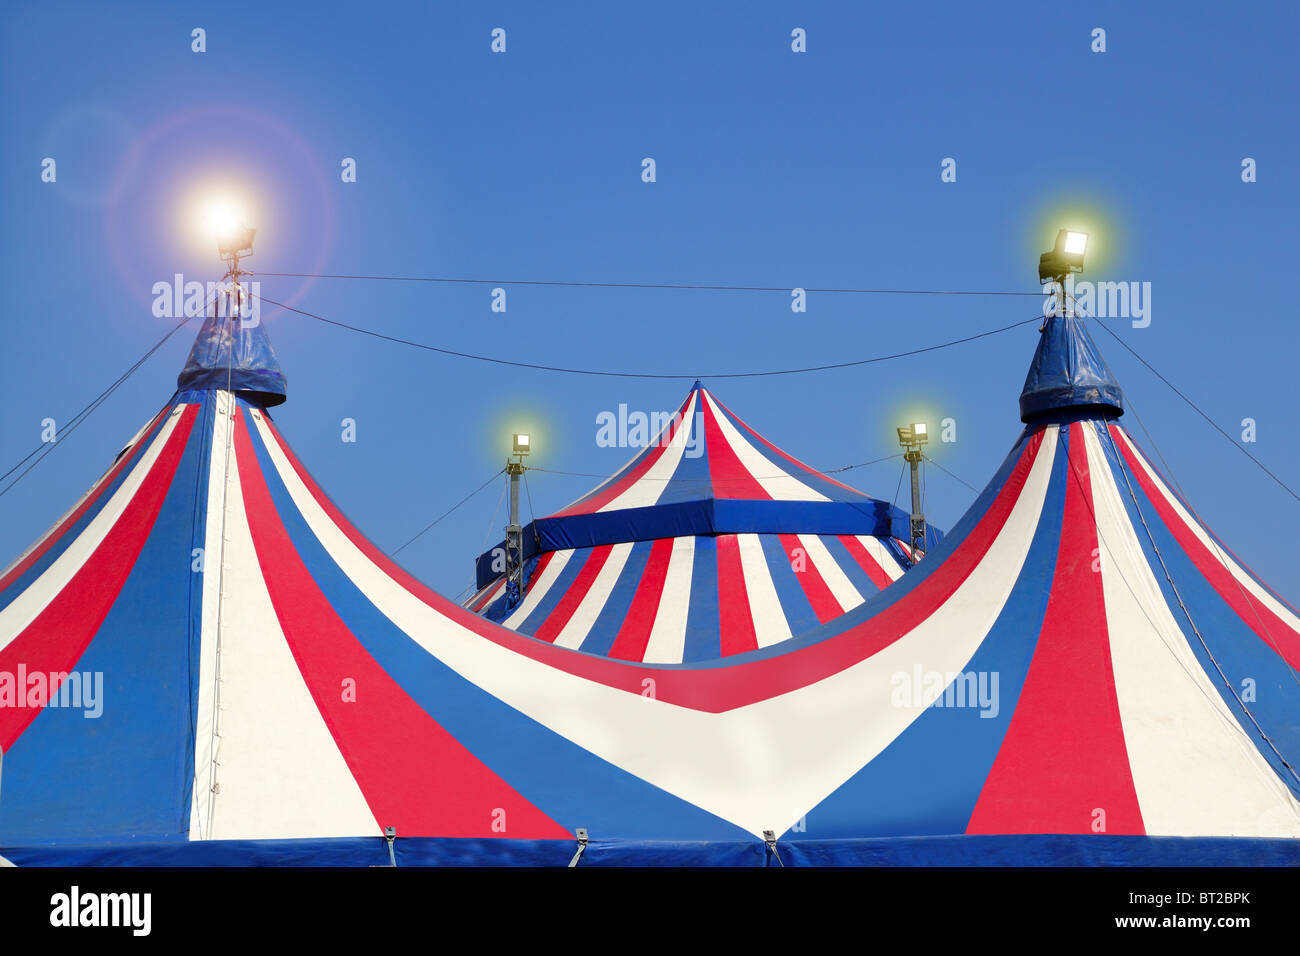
[819, 169]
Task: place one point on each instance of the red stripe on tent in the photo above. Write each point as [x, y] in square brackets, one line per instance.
[634, 636]
[96, 491]
[1063, 758]
[788, 457]
[490, 592]
[60, 634]
[1271, 629]
[866, 561]
[557, 619]
[601, 497]
[729, 477]
[810, 579]
[414, 775]
[735, 621]
[721, 689]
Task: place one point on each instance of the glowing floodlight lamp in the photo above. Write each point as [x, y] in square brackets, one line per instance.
[226, 223]
[523, 444]
[1064, 258]
[914, 435]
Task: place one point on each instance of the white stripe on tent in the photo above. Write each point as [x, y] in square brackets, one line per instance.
[612, 479]
[1195, 770]
[887, 560]
[28, 605]
[214, 559]
[537, 589]
[279, 769]
[814, 738]
[667, 644]
[1217, 550]
[782, 487]
[837, 581]
[650, 487]
[770, 625]
[577, 628]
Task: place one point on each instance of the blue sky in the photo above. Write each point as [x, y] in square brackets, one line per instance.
[819, 169]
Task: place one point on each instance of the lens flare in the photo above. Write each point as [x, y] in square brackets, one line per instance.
[223, 218]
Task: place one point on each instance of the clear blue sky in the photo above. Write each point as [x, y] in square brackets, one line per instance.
[819, 169]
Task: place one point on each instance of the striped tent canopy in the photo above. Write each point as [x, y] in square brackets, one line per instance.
[710, 542]
[204, 661]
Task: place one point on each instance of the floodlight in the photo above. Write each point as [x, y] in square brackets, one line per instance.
[225, 222]
[1065, 257]
[522, 445]
[237, 244]
[914, 435]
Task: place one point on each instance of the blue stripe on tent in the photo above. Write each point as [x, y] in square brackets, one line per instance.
[703, 624]
[614, 611]
[40, 566]
[845, 561]
[930, 777]
[1096, 849]
[1231, 642]
[563, 582]
[566, 782]
[901, 557]
[128, 773]
[691, 480]
[795, 605]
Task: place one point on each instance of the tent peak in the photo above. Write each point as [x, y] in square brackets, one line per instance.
[1068, 375]
[239, 359]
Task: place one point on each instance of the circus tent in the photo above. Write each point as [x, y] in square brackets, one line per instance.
[1078, 672]
[710, 542]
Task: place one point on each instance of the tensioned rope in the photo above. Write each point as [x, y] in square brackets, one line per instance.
[413, 538]
[706, 479]
[1196, 408]
[648, 375]
[636, 285]
[45, 448]
[951, 475]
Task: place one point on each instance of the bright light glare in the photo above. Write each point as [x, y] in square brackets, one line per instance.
[223, 219]
[918, 428]
[1076, 242]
